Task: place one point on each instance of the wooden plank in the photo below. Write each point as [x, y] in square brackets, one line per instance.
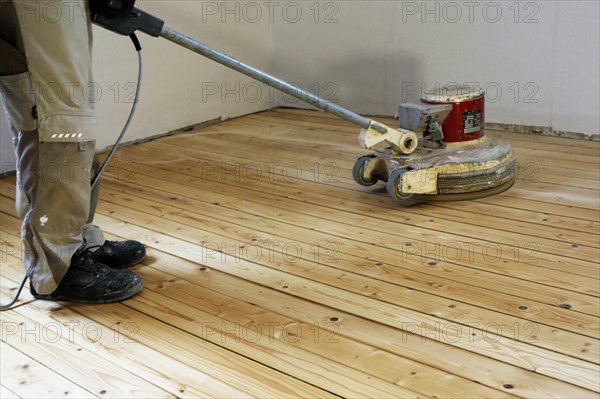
[47, 344]
[329, 133]
[321, 339]
[529, 168]
[260, 380]
[427, 351]
[579, 303]
[544, 208]
[194, 370]
[285, 139]
[308, 172]
[395, 308]
[60, 346]
[528, 171]
[128, 167]
[425, 303]
[555, 144]
[537, 312]
[230, 172]
[531, 186]
[275, 353]
[545, 338]
[324, 340]
[295, 136]
[304, 202]
[235, 323]
[340, 379]
[190, 204]
[303, 194]
[539, 219]
[10, 281]
[549, 192]
[554, 365]
[161, 369]
[285, 152]
[24, 377]
[418, 280]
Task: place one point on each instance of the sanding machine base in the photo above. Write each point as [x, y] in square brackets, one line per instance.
[454, 159]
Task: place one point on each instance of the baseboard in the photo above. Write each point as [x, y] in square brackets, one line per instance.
[540, 131]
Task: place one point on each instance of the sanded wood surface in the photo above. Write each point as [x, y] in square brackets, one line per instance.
[270, 273]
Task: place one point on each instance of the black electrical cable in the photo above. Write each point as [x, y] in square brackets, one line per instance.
[138, 48]
[16, 297]
[96, 179]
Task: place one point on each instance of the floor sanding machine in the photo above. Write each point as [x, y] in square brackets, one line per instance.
[439, 152]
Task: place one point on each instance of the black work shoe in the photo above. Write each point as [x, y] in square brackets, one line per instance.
[88, 281]
[119, 254]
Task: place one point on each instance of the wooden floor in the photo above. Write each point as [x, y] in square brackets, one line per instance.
[272, 274]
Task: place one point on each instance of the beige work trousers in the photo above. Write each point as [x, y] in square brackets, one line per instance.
[47, 94]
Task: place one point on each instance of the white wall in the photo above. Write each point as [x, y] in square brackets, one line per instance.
[540, 65]
[179, 88]
[576, 97]
[537, 60]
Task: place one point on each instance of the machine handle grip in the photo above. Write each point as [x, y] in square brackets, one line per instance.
[133, 21]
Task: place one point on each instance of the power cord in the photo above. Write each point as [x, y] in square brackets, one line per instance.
[138, 49]
[16, 297]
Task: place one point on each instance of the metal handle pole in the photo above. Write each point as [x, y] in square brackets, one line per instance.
[267, 79]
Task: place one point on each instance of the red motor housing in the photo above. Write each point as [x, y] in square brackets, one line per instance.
[466, 120]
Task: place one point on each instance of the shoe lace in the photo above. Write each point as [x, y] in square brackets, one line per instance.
[87, 261]
[106, 243]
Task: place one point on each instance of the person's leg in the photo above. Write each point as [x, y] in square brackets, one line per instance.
[57, 146]
[53, 129]
[13, 72]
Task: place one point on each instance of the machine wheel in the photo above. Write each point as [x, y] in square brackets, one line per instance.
[358, 172]
[395, 191]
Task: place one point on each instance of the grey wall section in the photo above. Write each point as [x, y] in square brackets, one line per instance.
[537, 61]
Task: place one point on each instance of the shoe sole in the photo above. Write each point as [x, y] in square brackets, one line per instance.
[121, 296]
